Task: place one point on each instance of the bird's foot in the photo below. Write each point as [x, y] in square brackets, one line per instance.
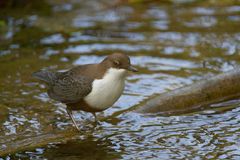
[97, 123]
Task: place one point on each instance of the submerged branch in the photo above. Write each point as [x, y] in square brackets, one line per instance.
[221, 87]
[37, 141]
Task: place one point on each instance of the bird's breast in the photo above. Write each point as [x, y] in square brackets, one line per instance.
[106, 91]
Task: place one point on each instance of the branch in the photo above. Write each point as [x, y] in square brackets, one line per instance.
[222, 87]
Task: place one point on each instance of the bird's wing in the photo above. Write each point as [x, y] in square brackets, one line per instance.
[68, 88]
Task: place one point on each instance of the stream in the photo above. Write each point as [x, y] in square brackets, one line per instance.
[172, 43]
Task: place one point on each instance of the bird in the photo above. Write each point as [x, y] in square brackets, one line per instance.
[91, 87]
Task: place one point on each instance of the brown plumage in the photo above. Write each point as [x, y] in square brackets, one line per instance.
[73, 86]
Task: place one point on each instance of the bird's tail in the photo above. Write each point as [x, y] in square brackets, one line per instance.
[45, 76]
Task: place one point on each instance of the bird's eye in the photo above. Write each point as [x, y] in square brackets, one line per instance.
[117, 63]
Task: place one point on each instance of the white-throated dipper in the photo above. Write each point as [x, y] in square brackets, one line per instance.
[91, 87]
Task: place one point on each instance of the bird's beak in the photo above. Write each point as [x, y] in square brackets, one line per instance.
[133, 69]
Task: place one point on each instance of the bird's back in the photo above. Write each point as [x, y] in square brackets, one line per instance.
[70, 86]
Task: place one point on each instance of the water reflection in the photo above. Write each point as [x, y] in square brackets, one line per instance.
[100, 47]
[233, 9]
[202, 21]
[151, 136]
[203, 11]
[96, 148]
[53, 39]
[171, 45]
[91, 35]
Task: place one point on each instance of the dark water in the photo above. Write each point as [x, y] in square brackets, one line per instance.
[172, 44]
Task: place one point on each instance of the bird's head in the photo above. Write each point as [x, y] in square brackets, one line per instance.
[120, 62]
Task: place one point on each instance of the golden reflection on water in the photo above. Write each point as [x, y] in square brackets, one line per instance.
[171, 44]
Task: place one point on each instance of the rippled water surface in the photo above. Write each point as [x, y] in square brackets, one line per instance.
[172, 44]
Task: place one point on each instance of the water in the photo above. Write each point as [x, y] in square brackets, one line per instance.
[172, 44]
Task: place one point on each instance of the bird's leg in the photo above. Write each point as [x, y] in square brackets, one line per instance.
[95, 117]
[71, 116]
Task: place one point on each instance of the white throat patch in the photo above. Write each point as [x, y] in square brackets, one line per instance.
[106, 91]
